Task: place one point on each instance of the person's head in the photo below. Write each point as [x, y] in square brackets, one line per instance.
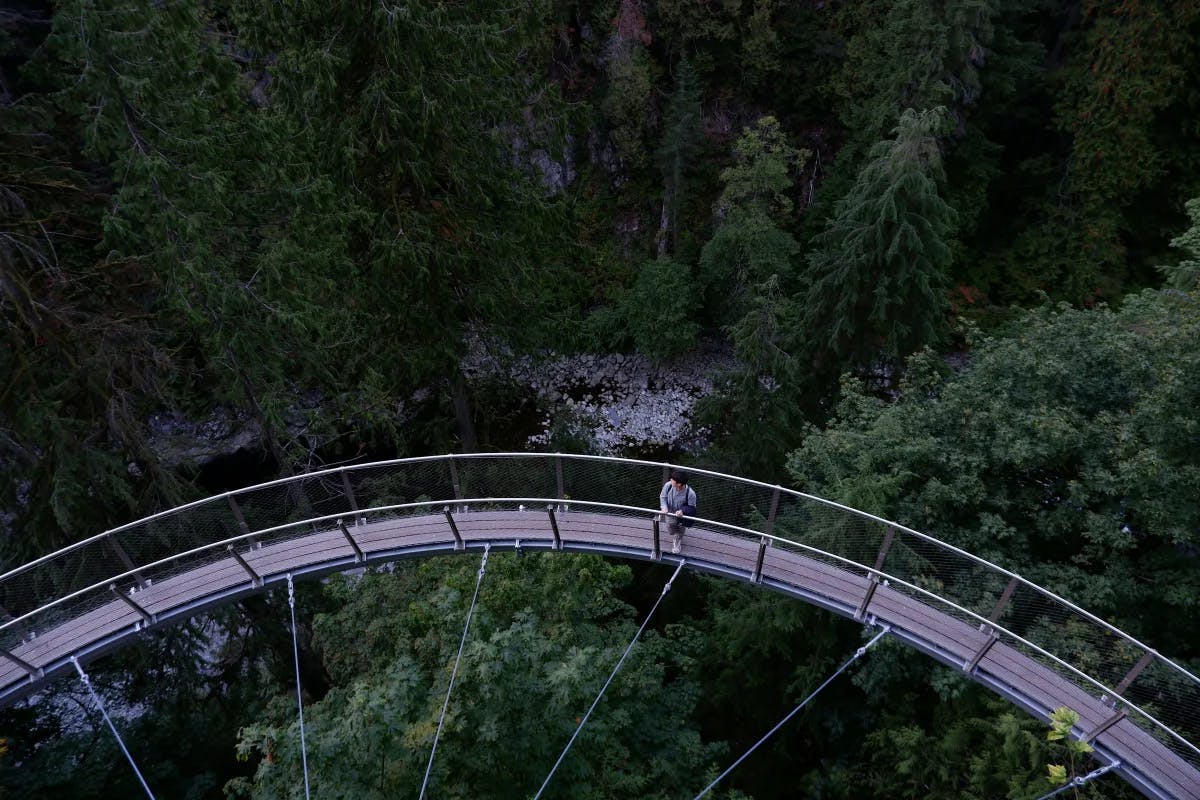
[679, 478]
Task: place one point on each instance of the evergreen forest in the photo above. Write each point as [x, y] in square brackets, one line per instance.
[943, 256]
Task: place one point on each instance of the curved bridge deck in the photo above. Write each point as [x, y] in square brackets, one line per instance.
[915, 617]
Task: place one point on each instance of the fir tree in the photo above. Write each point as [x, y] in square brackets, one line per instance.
[750, 244]
[681, 140]
[1185, 276]
[876, 278]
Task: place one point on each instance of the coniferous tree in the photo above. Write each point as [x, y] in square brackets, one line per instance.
[875, 281]
[749, 262]
[750, 244]
[1185, 275]
[681, 140]
[910, 54]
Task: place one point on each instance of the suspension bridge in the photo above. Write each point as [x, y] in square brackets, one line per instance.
[1138, 709]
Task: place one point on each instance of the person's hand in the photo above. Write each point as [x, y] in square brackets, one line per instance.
[679, 513]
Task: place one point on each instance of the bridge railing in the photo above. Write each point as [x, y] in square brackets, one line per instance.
[80, 579]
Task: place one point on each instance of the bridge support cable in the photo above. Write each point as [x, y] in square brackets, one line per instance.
[857, 655]
[1081, 780]
[87, 683]
[454, 672]
[666, 588]
[299, 696]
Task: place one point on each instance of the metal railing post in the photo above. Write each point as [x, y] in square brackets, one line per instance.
[554, 527]
[454, 478]
[112, 587]
[769, 526]
[889, 535]
[458, 540]
[255, 579]
[1005, 598]
[1142, 663]
[655, 550]
[34, 672]
[124, 558]
[756, 576]
[359, 556]
[558, 476]
[349, 490]
[237, 514]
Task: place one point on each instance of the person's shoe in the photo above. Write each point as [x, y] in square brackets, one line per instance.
[675, 546]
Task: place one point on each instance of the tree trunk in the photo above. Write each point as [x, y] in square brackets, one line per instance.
[462, 413]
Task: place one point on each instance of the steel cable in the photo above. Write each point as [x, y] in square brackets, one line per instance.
[454, 672]
[100, 705]
[666, 588]
[857, 654]
[299, 699]
[1081, 780]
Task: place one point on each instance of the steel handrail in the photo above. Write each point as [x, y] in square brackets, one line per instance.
[344, 470]
[649, 513]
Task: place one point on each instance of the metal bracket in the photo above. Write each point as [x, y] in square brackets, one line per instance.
[1005, 597]
[888, 536]
[1120, 688]
[769, 526]
[1116, 717]
[756, 576]
[458, 540]
[112, 587]
[115, 546]
[973, 663]
[349, 492]
[255, 578]
[8, 618]
[34, 672]
[860, 613]
[554, 527]
[359, 556]
[237, 514]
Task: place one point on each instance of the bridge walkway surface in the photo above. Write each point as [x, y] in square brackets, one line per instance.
[1147, 763]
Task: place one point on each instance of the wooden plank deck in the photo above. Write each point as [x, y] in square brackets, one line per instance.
[1039, 687]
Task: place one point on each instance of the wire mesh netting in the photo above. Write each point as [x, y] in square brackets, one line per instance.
[148, 553]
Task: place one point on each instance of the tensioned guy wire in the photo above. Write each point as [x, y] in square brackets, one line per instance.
[299, 700]
[454, 671]
[857, 654]
[1081, 780]
[100, 705]
[666, 588]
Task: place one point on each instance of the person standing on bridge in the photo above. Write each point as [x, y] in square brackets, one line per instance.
[679, 499]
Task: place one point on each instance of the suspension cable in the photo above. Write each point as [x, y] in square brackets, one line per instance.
[1080, 780]
[666, 588]
[857, 654]
[100, 705]
[454, 671]
[299, 699]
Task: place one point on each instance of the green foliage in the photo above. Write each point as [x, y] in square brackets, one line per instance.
[912, 54]
[750, 244]
[661, 309]
[1062, 722]
[1130, 67]
[532, 665]
[1185, 276]
[876, 278]
[626, 104]
[680, 142]
[1061, 451]
[757, 409]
